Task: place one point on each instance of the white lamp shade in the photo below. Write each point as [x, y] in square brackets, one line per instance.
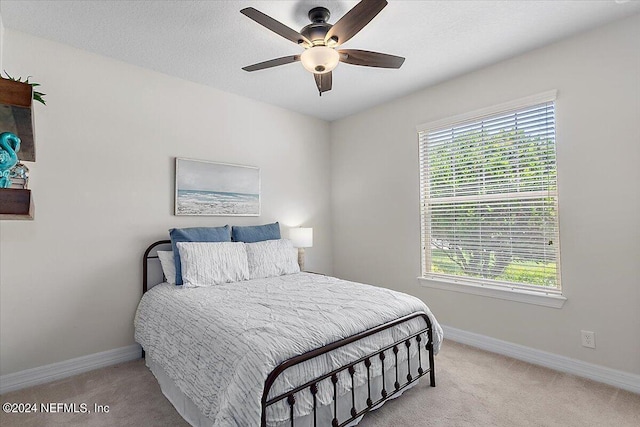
[301, 237]
[320, 59]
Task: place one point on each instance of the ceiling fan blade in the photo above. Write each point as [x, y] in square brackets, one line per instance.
[370, 59]
[324, 82]
[272, 63]
[276, 26]
[354, 21]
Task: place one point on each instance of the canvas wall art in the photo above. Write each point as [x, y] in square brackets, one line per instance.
[210, 188]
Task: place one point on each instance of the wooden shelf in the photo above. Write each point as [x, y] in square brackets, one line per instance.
[16, 203]
[16, 115]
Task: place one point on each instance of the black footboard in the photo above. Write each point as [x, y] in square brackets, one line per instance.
[382, 354]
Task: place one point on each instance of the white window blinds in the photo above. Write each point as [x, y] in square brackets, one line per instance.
[489, 204]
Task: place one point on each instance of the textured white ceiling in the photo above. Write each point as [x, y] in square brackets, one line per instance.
[209, 42]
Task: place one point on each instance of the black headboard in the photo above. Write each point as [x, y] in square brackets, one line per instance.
[151, 269]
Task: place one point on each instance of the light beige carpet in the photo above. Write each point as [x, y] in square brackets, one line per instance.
[475, 388]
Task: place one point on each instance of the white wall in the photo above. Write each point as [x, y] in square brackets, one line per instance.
[1, 40]
[375, 193]
[103, 188]
[103, 184]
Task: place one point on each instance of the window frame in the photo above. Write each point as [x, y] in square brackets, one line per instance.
[532, 294]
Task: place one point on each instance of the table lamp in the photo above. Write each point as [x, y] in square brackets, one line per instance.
[301, 237]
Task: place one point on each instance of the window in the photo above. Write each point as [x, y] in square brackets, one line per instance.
[489, 201]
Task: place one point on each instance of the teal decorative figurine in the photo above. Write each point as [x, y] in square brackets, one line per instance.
[9, 146]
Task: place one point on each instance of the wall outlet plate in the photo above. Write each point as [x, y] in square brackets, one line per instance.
[588, 339]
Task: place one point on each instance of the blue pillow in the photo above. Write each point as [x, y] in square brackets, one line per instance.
[255, 233]
[195, 234]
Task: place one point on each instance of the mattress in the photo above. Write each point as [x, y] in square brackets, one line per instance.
[218, 344]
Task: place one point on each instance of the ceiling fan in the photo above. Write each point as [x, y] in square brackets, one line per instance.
[320, 40]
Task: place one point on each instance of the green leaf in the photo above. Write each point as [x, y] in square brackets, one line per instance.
[39, 99]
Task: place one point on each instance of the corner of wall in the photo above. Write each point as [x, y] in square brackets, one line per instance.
[1, 40]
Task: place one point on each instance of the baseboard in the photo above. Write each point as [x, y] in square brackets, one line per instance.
[67, 368]
[620, 379]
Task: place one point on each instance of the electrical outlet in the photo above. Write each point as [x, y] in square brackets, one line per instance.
[588, 339]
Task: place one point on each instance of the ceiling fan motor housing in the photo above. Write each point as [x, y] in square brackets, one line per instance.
[317, 30]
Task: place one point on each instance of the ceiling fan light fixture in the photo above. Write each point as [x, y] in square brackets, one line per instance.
[320, 59]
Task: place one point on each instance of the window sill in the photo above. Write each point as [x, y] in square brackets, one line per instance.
[518, 295]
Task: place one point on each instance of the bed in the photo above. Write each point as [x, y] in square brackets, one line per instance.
[299, 349]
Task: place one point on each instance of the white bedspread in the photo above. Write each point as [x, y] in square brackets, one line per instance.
[219, 343]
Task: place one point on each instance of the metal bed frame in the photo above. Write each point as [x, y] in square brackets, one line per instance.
[363, 363]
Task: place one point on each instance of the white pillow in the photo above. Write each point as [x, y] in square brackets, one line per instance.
[168, 264]
[212, 263]
[272, 258]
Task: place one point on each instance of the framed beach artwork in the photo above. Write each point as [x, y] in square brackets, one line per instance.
[210, 188]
